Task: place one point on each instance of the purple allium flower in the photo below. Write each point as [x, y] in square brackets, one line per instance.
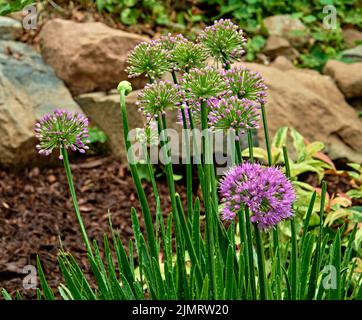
[233, 113]
[149, 59]
[266, 191]
[224, 41]
[159, 97]
[246, 84]
[62, 129]
[204, 83]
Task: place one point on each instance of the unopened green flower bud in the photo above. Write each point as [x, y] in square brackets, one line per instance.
[126, 86]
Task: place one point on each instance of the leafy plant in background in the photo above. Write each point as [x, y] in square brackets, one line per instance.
[132, 11]
[326, 44]
[97, 141]
[9, 6]
[194, 253]
[308, 156]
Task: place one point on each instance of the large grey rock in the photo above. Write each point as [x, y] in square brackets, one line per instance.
[312, 104]
[88, 56]
[10, 29]
[28, 90]
[288, 27]
[348, 77]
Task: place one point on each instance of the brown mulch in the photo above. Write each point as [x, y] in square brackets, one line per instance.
[36, 215]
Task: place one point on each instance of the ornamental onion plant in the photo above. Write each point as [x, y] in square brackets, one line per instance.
[225, 242]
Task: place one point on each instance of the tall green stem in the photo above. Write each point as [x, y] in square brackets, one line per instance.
[250, 145]
[270, 163]
[294, 258]
[134, 172]
[259, 245]
[159, 218]
[188, 164]
[169, 170]
[245, 248]
[207, 196]
[188, 156]
[74, 198]
[162, 128]
[238, 158]
[266, 134]
[261, 264]
[250, 252]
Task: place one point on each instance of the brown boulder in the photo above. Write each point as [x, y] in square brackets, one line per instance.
[348, 77]
[88, 56]
[288, 27]
[312, 104]
[352, 37]
[282, 63]
[278, 46]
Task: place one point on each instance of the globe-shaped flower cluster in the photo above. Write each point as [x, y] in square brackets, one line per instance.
[149, 59]
[202, 84]
[247, 84]
[266, 191]
[62, 129]
[159, 97]
[224, 41]
[187, 55]
[233, 113]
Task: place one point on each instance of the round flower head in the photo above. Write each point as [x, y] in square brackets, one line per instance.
[203, 83]
[148, 59]
[246, 84]
[224, 41]
[187, 55]
[233, 113]
[266, 191]
[62, 129]
[158, 97]
[168, 42]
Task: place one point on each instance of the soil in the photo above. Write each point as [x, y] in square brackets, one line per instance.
[37, 217]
